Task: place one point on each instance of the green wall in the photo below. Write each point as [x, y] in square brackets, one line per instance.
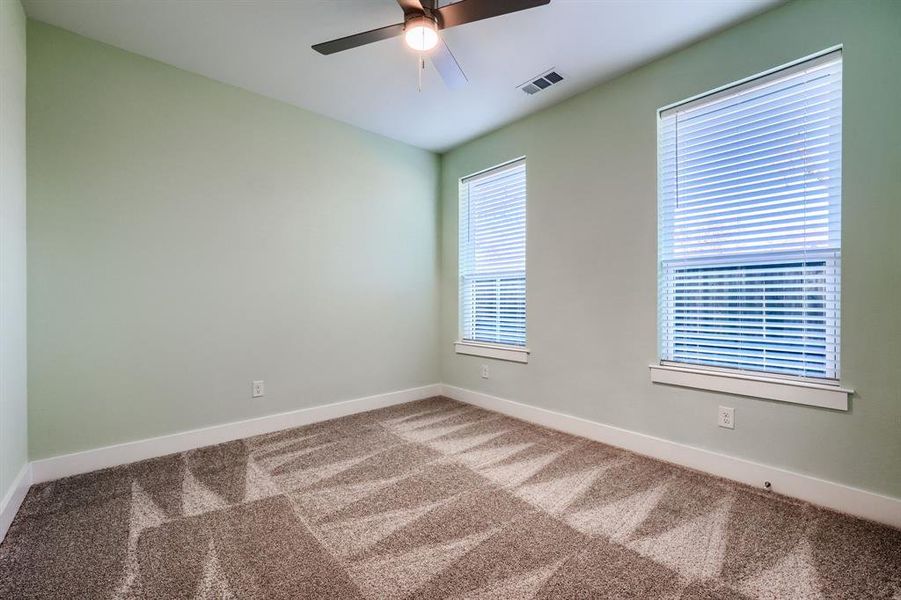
[186, 237]
[13, 370]
[592, 251]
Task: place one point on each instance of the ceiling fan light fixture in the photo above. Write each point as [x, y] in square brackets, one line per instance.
[421, 33]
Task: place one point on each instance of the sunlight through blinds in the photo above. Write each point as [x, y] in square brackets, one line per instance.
[493, 256]
[749, 224]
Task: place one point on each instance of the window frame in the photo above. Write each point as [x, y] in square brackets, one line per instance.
[462, 345]
[812, 391]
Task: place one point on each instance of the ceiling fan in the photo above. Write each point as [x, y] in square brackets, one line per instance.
[423, 19]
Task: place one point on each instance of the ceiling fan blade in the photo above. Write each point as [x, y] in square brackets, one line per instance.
[467, 11]
[359, 39]
[411, 7]
[447, 66]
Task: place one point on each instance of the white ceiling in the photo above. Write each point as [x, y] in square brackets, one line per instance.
[264, 46]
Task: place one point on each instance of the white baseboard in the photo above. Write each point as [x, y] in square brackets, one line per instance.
[48, 469]
[828, 494]
[824, 493]
[11, 502]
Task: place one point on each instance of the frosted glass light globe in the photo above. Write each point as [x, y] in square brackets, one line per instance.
[421, 34]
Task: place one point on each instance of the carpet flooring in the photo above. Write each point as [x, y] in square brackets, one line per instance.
[432, 499]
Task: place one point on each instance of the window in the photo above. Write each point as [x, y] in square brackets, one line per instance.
[493, 262]
[749, 225]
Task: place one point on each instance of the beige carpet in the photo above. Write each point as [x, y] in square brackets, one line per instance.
[432, 499]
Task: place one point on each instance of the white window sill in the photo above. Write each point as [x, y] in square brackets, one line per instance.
[511, 353]
[772, 388]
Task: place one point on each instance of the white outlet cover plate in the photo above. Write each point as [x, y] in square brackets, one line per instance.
[726, 417]
[258, 389]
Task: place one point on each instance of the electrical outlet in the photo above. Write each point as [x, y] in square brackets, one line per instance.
[484, 371]
[726, 417]
[257, 389]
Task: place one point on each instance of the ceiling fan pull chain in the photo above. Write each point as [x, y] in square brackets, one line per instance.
[420, 67]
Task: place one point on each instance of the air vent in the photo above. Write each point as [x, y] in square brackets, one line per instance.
[541, 82]
[553, 77]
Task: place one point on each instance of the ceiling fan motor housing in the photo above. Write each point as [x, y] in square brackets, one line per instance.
[421, 20]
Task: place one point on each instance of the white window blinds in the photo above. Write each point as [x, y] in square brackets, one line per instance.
[749, 224]
[493, 256]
